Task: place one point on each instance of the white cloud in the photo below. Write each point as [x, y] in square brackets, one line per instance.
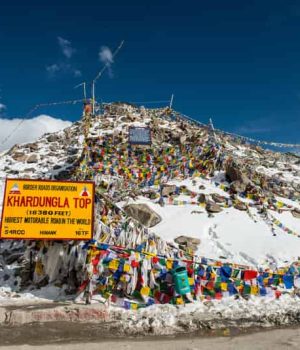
[2, 107]
[29, 130]
[77, 73]
[106, 57]
[64, 66]
[53, 69]
[66, 47]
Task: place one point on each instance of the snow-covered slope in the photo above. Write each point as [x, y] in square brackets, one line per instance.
[249, 236]
[231, 235]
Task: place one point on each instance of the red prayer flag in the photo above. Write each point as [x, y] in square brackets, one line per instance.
[250, 275]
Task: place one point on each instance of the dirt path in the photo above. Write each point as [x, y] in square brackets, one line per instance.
[267, 340]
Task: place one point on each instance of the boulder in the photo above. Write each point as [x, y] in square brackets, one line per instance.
[240, 206]
[202, 198]
[259, 150]
[296, 213]
[13, 172]
[33, 146]
[234, 172]
[168, 189]
[52, 154]
[72, 151]
[238, 186]
[11, 258]
[53, 138]
[71, 159]
[143, 214]
[183, 139]
[185, 239]
[150, 194]
[213, 208]
[63, 175]
[54, 147]
[19, 156]
[217, 198]
[188, 244]
[13, 149]
[282, 192]
[29, 170]
[33, 158]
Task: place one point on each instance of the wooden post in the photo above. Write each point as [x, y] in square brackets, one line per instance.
[93, 97]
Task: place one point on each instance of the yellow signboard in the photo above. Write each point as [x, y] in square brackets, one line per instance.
[42, 209]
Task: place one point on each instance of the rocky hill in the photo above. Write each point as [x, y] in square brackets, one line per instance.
[194, 193]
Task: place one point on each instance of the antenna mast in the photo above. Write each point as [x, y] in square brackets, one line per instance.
[171, 101]
[212, 128]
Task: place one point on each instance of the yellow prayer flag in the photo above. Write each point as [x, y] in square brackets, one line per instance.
[169, 264]
[145, 291]
[254, 290]
[38, 268]
[191, 281]
[126, 268]
[223, 286]
[113, 264]
[179, 301]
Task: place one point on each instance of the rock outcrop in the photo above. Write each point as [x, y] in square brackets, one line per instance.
[186, 243]
[168, 189]
[217, 198]
[240, 206]
[236, 175]
[213, 208]
[143, 214]
[33, 158]
[296, 213]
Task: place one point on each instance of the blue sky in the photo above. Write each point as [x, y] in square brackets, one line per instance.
[235, 61]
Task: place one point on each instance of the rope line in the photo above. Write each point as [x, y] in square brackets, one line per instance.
[269, 143]
[149, 102]
[33, 110]
[107, 64]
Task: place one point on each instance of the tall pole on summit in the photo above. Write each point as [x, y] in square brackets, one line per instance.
[84, 90]
[212, 128]
[171, 101]
[93, 97]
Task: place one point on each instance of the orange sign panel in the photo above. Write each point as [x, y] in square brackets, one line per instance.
[42, 209]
